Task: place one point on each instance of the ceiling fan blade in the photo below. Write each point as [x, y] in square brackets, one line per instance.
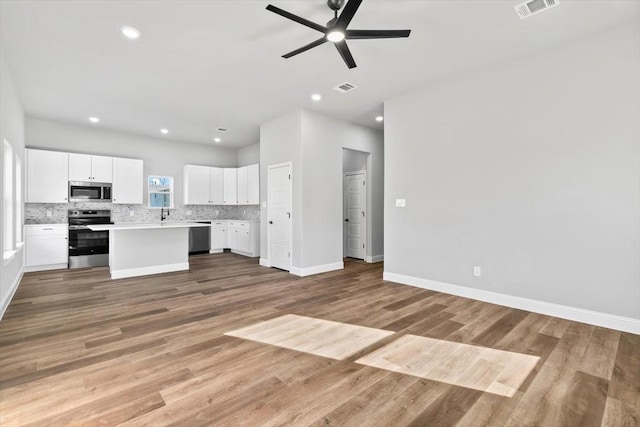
[347, 13]
[376, 34]
[346, 54]
[306, 47]
[297, 19]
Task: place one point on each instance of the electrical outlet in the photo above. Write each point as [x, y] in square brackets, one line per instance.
[401, 203]
[217, 212]
[477, 271]
[188, 212]
[264, 204]
[49, 213]
[131, 213]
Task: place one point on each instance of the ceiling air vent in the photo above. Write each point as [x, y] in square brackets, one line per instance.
[222, 129]
[532, 7]
[345, 87]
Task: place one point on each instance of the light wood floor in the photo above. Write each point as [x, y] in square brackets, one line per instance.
[77, 348]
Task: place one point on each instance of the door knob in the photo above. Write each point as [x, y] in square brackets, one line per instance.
[270, 222]
[346, 220]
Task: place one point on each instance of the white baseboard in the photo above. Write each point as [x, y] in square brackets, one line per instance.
[316, 269]
[612, 321]
[265, 262]
[33, 268]
[216, 251]
[247, 254]
[145, 271]
[6, 300]
[375, 258]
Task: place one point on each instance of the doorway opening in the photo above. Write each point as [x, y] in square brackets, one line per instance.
[355, 206]
[279, 201]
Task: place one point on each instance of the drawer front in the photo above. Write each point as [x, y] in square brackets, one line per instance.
[46, 230]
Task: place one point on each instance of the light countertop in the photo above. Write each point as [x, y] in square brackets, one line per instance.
[144, 225]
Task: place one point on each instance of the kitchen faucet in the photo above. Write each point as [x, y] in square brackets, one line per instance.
[162, 215]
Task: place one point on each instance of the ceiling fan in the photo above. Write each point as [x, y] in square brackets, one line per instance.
[336, 29]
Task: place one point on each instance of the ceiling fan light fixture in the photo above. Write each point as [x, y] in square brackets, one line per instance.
[130, 32]
[335, 36]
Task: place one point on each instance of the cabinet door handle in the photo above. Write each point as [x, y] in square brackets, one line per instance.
[48, 228]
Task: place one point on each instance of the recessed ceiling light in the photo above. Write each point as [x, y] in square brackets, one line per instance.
[165, 131]
[94, 119]
[217, 139]
[316, 97]
[379, 118]
[130, 32]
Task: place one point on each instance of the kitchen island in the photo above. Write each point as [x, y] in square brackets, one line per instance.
[139, 249]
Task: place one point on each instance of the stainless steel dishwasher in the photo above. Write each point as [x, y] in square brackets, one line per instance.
[200, 239]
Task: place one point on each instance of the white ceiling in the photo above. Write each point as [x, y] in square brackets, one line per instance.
[199, 65]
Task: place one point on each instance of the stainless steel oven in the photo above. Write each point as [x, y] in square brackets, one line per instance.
[88, 248]
[89, 191]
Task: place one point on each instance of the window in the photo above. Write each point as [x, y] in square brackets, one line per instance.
[160, 192]
[8, 206]
[19, 206]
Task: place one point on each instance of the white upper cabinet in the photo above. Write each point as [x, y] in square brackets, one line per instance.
[217, 186]
[86, 167]
[230, 186]
[249, 185]
[196, 182]
[243, 197]
[47, 176]
[102, 169]
[128, 181]
[253, 184]
[203, 185]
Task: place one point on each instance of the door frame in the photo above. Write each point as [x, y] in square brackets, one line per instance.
[269, 168]
[365, 235]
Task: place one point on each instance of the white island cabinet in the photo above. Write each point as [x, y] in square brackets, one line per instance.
[143, 249]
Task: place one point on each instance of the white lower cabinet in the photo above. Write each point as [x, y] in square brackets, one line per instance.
[46, 246]
[244, 237]
[219, 239]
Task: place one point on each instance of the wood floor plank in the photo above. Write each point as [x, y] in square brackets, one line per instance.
[583, 405]
[77, 348]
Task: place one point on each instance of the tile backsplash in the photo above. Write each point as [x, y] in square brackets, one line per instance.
[36, 213]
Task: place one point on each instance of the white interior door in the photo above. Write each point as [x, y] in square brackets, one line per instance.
[279, 219]
[355, 214]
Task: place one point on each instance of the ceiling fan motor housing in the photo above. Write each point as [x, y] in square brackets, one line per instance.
[335, 4]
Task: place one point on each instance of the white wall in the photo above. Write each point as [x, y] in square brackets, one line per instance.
[529, 169]
[324, 138]
[249, 155]
[280, 142]
[11, 129]
[353, 160]
[161, 156]
[314, 143]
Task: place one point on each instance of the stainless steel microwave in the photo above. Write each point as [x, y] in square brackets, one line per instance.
[89, 191]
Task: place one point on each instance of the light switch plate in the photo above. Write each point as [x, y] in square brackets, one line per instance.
[401, 203]
[49, 213]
